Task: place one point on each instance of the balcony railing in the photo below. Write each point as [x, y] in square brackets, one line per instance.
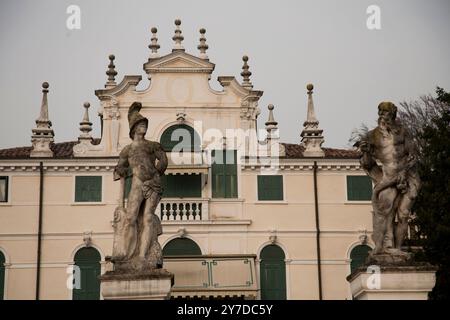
[232, 275]
[183, 209]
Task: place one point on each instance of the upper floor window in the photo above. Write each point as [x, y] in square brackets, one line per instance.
[270, 187]
[359, 188]
[180, 137]
[224, 174]
[175, 186]
[88, 189]
[3, 189]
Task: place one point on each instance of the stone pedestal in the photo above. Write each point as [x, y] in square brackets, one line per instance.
[392, 282]
[154, 284]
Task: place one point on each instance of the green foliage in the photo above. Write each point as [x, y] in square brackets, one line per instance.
[432, 206]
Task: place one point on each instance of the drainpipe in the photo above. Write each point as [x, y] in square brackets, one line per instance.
[38, 264]
[316, 207]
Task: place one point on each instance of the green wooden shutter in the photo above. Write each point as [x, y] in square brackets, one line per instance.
[358, 256]
[181, 246]
[182, 186]
[88, 189]
[273, 273]
[224, 174]
[88, 260]
[359, 188]
[2, 275]
[270, 187]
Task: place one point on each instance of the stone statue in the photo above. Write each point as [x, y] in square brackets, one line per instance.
[396, 180]
[137, 227]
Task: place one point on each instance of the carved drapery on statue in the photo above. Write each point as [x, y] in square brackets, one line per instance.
[137, 227]
[396, 182]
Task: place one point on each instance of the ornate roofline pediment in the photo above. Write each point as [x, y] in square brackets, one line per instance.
[179, 61]
[127, 82]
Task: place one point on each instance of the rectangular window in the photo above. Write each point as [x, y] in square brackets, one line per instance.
[3, 189]
[175, 186]
[359, 188]
[182, 186]
[88, 189]
[224, 174]
[270, 187]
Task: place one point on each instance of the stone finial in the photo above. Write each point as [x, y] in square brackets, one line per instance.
[272, 139]
[203, 46]
[312, 138]
[85, 125]
[311, 116]
[111, 73]
[246, 74]
[178, 37]
[154, 46]
[271, 123]
[43, 133]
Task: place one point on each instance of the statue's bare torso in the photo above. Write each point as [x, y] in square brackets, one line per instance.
[396, 179]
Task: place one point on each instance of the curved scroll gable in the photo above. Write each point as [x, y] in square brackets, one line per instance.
[128, 83]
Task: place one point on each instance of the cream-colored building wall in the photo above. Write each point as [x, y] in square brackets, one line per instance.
[291, 220]
[181, 89]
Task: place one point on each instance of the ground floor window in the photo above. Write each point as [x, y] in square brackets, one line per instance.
[273, 273]
[358, 256]
[180, 247]
[88, 261]
[2, 275]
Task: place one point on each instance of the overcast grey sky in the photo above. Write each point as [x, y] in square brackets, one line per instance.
[289, 44]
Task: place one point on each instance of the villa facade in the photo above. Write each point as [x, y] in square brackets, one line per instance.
[243, 216]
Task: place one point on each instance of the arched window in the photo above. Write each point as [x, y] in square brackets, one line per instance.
[88, 261]
[180, 247]
[181, 136]
[273, 273]
[358, 256]
[2, 275]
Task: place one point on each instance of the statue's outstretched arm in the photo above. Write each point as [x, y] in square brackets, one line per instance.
[121, 170]
[368, 162]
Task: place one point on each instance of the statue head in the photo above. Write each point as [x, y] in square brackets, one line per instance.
[137, 122]
[387, 112]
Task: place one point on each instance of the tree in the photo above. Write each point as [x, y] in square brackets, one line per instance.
[432, 206]
[415, 116]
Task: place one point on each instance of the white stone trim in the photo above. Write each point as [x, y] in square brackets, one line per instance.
[248, 233]
[322, 261]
